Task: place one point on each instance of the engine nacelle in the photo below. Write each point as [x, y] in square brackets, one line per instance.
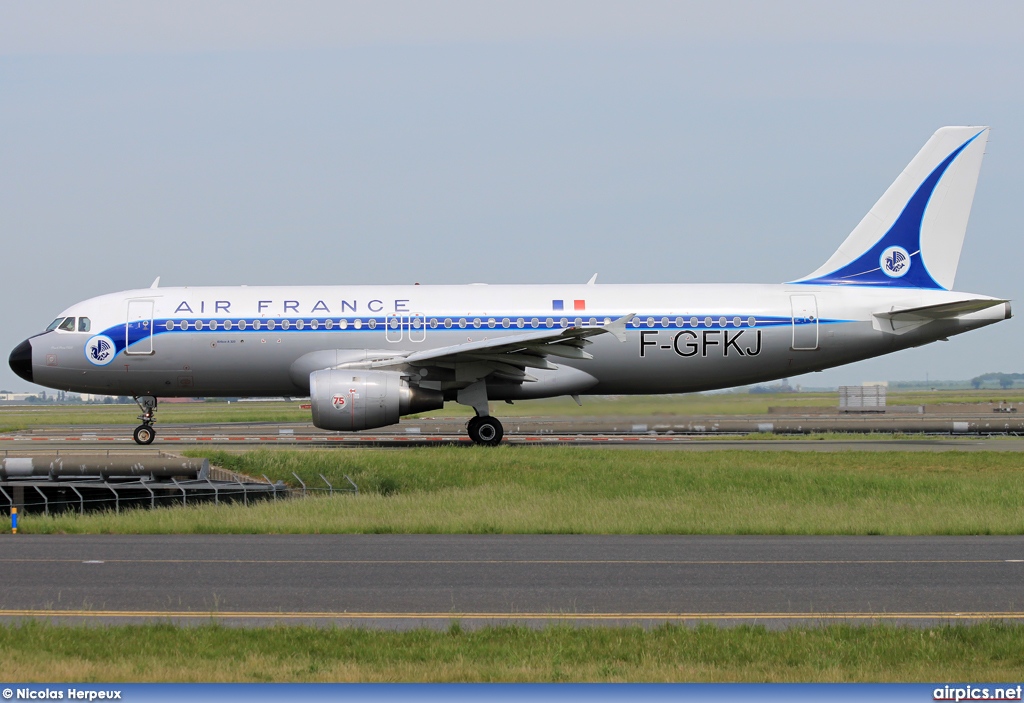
[350, 399]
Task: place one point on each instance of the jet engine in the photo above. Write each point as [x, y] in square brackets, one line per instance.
[350, 399]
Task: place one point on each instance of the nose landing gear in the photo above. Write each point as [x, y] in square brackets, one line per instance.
[144, 433]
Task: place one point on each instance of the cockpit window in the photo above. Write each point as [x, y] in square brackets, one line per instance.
[84, 325]
[53, 325]
[68, 325]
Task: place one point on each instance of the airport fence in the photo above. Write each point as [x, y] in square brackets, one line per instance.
[47, 496]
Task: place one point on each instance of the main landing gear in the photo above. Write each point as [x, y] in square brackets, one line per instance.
[144, 433]
[485, 430]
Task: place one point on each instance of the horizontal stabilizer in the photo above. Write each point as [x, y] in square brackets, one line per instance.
[906, 319]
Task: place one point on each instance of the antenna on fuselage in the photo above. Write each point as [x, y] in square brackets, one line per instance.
[156, 282]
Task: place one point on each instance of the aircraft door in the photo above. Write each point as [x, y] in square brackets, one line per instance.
[393, 331]
[138, 329]
[805, 322]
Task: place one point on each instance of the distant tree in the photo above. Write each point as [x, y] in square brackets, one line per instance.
[1005, 380]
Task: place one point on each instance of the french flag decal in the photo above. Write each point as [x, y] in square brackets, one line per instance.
[576, 305]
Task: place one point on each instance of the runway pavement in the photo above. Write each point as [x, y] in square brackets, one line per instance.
[226, 436]
[402, 581]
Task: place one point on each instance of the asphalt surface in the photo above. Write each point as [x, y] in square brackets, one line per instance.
[401, 581]
[226, 436]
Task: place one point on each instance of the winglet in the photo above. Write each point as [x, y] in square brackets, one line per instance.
[618, 327]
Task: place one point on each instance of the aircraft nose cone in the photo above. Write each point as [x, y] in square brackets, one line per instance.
[21, 360]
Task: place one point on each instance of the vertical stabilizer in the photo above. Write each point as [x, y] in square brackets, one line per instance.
[913, 235]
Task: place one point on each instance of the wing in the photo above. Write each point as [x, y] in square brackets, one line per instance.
[505, 357]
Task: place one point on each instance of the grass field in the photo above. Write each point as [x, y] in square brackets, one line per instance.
[575, 490]
[25, 416]
[41, 652]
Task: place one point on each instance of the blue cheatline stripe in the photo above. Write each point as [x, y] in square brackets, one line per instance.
[321, 325]
[905, 232]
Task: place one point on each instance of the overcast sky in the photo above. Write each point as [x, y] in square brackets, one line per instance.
[453, 142]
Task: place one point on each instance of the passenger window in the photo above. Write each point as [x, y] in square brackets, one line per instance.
[84, 325]
[68, 325]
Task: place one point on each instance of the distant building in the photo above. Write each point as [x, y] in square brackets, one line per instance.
[93, 398]
[16, 397]
[862, 399]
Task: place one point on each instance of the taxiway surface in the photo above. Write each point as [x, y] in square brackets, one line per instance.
[405, 581]
[228, 435]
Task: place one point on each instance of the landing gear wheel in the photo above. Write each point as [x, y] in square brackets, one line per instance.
[486, 431]
[144, 434]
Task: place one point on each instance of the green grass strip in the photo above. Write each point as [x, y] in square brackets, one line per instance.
[574, 490]
[42, 652]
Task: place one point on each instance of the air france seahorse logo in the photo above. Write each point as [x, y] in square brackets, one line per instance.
[100, 350]
[895, 262]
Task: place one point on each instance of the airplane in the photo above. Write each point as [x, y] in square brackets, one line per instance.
[367, 355]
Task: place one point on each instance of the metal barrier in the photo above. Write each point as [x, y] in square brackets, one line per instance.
[65, 483]
[80, 495]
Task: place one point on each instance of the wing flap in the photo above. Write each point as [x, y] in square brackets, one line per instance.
[563, 342]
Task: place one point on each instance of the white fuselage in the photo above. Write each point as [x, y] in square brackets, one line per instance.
[265, 341]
